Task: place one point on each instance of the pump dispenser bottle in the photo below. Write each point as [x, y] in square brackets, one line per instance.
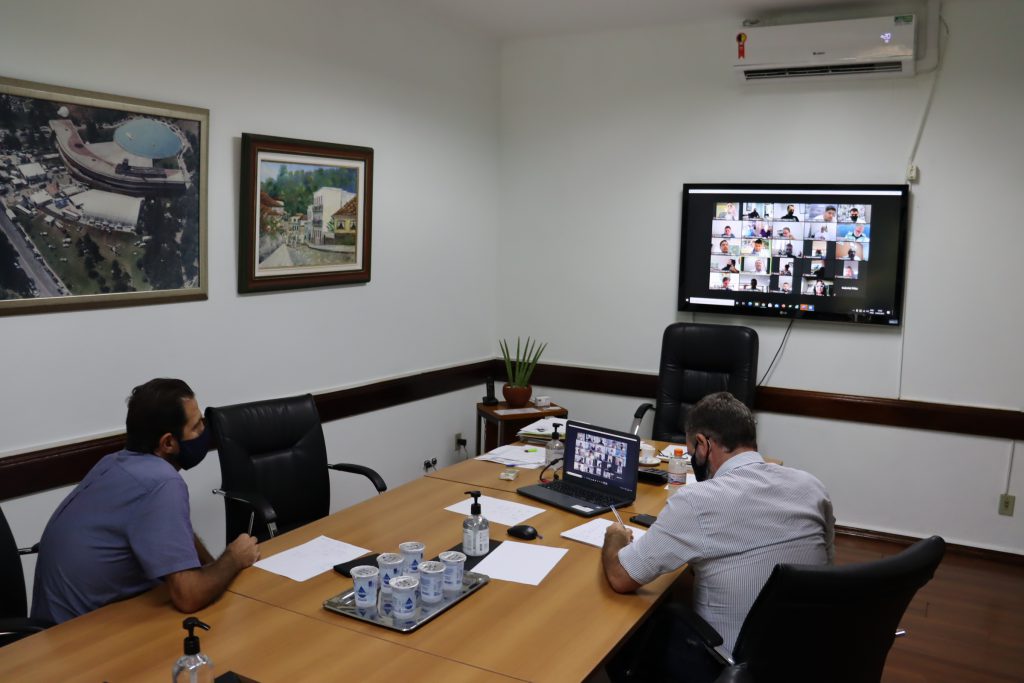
[193, 666]
[554, 450]
[476, 530]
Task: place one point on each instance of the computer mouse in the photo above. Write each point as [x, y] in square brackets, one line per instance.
[523, 531]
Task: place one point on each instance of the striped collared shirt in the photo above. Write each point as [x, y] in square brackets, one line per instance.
[733, 529]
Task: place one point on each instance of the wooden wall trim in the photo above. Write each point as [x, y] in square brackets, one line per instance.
[994, 422]
[55, 466]
[27, 473]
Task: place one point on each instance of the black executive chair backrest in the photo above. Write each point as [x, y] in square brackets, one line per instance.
[697, 360]
[835, 623]
[13, 602]
[275, 448]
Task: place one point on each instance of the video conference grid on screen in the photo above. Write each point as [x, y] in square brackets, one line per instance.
[600, 456]
[814, 252]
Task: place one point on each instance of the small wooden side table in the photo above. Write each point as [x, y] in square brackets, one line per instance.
[501, 429]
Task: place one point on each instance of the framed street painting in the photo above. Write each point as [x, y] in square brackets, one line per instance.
[102, 200]
[306, 212]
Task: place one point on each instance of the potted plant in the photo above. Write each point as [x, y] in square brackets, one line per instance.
[519, 369]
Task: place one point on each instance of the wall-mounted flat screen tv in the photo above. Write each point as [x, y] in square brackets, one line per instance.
[824, 252]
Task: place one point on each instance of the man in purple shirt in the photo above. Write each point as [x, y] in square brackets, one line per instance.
[126, 527]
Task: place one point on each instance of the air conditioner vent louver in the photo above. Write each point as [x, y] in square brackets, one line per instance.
[823, 70]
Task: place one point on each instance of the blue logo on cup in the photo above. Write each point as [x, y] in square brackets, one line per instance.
[415, 564]
[408, 604]
[361, 593]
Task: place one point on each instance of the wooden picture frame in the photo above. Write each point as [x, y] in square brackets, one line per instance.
[102, 200]
[305, 214]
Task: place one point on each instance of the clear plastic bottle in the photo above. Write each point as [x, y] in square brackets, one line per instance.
[554, 449]
[676, 468]
[193, 666]
[476, 530]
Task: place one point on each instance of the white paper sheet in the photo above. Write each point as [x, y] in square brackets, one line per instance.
[498, 510]
[520, 562]
[309, 559]
[592, 533]
[527, 457]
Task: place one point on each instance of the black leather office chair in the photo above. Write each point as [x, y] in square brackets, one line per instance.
[697, 360]
[833, 624]
[14, 620]
[273, 464]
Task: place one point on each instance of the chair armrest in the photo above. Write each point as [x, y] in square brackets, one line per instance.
[738, 673]
[638, 417]
[29, 551]
[259, 505]
[371, 474]
[16, 628]
[710, 638]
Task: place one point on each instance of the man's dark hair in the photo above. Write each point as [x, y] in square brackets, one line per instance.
[759, 242]
[830, 208]
[154, 409]
[724, 418]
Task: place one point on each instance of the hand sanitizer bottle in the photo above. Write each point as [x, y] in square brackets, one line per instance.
[476, 530]
[193, 666]
[554, 449]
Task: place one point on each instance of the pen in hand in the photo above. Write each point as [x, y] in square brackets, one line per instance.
[616, 513]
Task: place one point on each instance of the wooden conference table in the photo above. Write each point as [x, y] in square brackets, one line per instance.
[270, 628]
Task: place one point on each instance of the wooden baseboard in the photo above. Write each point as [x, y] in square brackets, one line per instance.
[954, 548]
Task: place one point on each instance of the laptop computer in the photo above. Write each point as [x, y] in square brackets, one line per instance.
[600, 470]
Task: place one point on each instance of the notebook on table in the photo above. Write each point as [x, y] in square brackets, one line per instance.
[600, 470]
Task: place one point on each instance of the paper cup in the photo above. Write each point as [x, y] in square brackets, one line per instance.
[403, 597]
[364, 585]
[431, 582]
[412, 551]
[390, 565]
[454, 563]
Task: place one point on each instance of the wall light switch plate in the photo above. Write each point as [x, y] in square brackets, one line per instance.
[1006, 502]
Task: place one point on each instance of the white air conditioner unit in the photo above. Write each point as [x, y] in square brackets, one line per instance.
[861, 48]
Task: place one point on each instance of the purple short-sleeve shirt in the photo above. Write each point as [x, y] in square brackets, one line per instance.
[123, 528]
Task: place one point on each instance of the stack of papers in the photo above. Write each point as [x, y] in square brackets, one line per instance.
[541, 430]
[527, 457]
[592, 533]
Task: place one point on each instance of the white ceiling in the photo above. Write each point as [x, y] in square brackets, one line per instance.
[524, 18]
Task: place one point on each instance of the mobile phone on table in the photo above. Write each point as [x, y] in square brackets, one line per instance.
[643, 520]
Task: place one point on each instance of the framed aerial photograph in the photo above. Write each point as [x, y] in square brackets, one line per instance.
[102, 200]
[305, 218]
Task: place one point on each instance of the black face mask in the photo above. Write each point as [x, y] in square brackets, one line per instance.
[701, 471]
[192, 451]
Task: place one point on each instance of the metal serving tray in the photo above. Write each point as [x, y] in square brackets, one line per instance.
[345, 603]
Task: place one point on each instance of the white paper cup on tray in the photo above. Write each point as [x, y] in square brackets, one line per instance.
[364, 584]
[431, 582]
[412, 551]
[454, 564]
[403, 597]
[391, 565]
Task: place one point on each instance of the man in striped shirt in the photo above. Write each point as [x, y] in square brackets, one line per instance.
[732, 528]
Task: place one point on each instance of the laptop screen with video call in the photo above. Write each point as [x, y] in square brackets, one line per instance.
[602, 457]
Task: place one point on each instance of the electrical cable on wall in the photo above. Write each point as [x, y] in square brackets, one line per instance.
[771, 365]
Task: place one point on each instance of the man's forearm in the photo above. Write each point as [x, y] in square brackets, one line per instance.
[193, 589]
[618, 578]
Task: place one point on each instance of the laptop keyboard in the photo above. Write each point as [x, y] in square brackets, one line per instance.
[569, 489]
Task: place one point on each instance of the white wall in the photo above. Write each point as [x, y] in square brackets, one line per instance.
[599, 132]
[362, 72]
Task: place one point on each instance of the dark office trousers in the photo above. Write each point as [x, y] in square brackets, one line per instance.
[664, 648]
